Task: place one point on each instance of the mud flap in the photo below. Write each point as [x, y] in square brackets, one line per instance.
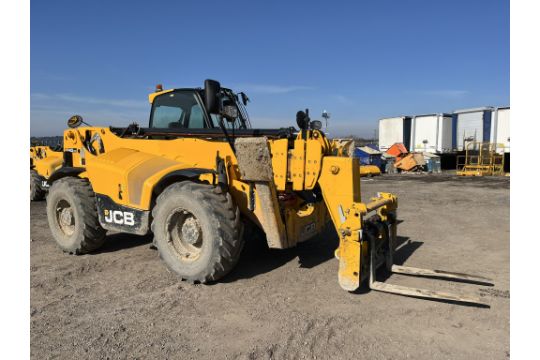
[115, 217]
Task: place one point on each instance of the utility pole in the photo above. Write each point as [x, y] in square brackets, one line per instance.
[325, 116]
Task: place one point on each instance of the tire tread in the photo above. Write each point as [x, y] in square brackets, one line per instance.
[93, 235]
[221, 206]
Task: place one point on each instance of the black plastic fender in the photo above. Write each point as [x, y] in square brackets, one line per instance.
[63, 172]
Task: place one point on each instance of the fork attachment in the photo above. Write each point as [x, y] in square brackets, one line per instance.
[367, 242]
[381, 250]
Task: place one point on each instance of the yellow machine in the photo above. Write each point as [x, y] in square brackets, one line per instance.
[345, 147]
[199, 174]
[369, 170]
[481, 159]
[44, 160]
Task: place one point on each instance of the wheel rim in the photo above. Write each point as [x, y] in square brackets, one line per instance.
[65, 217]
[185, 235]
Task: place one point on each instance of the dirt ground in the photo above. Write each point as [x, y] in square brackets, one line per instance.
[285, 304]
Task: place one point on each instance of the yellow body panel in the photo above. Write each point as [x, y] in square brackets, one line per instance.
[279, 162]
[153, 95]
[130, 175]
[129, 168]
[314, 154]
[296, 170]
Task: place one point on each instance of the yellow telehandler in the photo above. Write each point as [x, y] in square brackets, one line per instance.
[44, 160]
[199, 174]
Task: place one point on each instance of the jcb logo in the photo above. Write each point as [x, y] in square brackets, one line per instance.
[119, 217]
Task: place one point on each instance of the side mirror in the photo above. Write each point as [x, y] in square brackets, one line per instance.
[75, 121]
[315, 125]
[302, 119]
[212, 89]
[230, 112]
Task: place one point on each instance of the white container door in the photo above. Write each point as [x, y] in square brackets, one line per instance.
[390, 132]
[424, 134]
[503, 128]
[445, 134]
[469, 127]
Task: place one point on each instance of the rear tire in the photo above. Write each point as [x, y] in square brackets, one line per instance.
[73, 217]
[36, 191]
[197, 230]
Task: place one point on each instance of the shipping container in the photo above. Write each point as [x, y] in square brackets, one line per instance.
[471, 125]
[500, 129]
[394, 130]
[431, 133]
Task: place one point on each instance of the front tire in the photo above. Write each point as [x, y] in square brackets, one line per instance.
[36, 191]
[72, 215]
[197, 231]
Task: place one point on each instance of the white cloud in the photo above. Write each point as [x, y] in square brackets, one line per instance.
[49, 112]
[91, 100]
[271, 89]
[447, 93]
[342, 99]
[270, 123]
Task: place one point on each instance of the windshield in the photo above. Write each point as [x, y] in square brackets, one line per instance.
[183, 109]
[178, 109]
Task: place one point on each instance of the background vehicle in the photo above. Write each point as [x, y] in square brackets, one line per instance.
[44, 160]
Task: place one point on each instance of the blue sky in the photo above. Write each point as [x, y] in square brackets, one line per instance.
[359, 60]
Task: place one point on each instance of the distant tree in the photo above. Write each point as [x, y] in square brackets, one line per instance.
[46, 140]
[360, 141]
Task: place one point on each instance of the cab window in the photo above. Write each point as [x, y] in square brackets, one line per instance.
[196, 118]
[177, 110]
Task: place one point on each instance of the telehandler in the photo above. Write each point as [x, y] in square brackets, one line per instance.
[199, 174]
[44, 160]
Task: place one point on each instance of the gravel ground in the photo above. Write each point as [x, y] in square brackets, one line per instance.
[121, 302]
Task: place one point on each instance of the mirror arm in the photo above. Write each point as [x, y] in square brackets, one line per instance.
[224, 129]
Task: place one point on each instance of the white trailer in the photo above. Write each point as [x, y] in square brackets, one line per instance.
[431, 133]
[394, 130]
[500, 129]
[471, 125]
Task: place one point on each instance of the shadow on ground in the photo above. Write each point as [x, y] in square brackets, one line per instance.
[121, 241]
[257, 258]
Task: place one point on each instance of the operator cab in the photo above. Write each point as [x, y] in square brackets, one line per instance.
[187, 109]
